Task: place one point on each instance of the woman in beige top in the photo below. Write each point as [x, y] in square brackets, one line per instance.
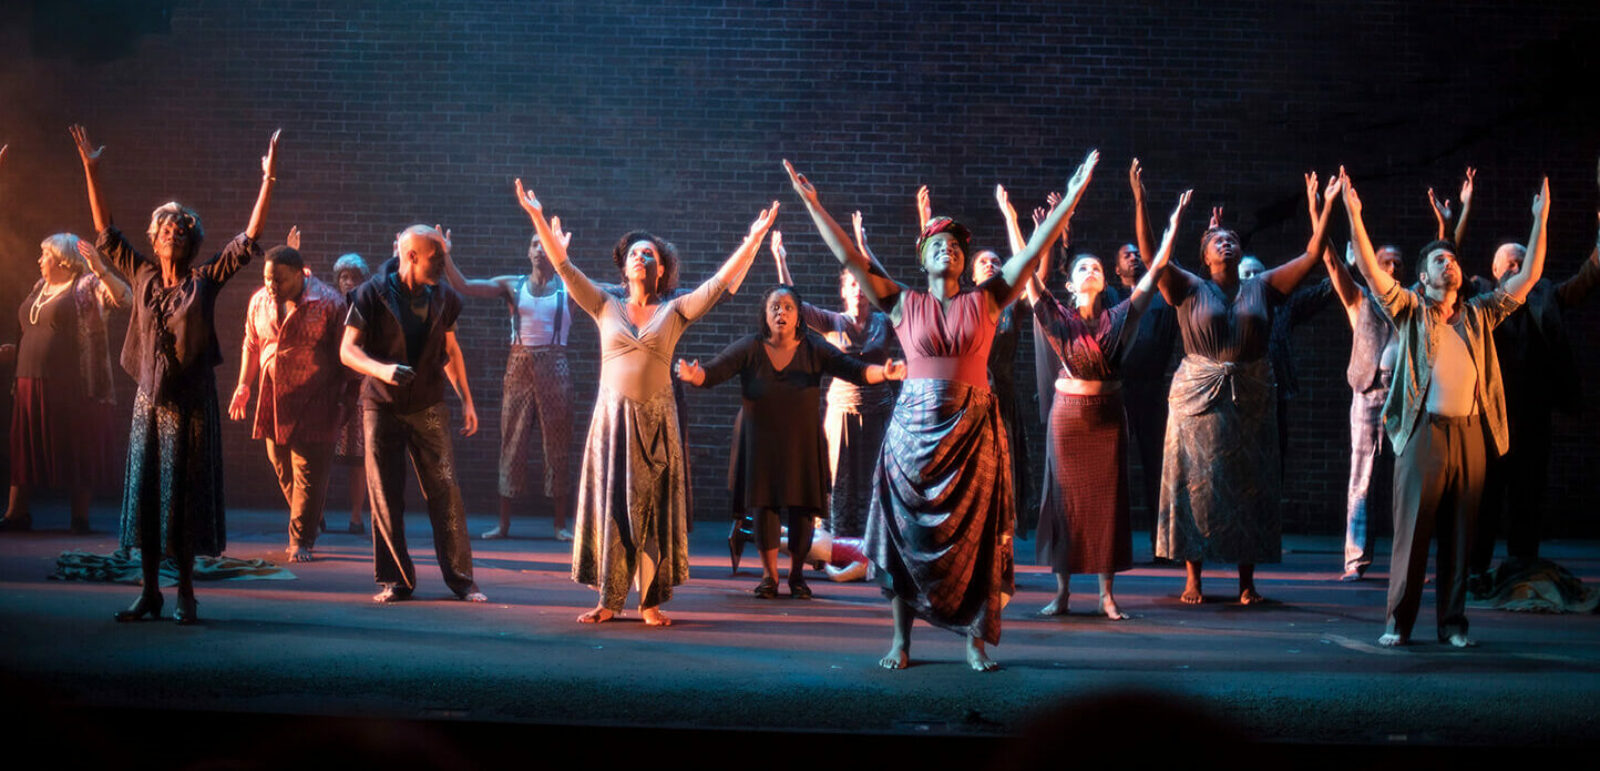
[631, 511]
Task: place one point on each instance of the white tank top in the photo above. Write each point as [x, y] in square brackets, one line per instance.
[537, 321]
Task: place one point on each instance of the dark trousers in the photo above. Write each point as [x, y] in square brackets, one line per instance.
[1145, 405]
[1438, 482]
[802, 523]
[302, 469]
[1514, 491]
[425, 436]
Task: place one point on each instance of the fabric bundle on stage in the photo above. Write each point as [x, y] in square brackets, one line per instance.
[1542, 587]
[122, 567]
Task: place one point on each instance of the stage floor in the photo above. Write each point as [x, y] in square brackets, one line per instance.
[1301, 669]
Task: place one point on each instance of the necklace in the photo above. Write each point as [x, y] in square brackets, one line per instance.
[44, 298]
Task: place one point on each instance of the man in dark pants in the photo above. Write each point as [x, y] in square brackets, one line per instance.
[1446, 394]
[401, 335]
[1541, 375]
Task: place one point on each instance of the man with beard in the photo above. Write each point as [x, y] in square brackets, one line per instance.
[1447, 393]
[401, 335]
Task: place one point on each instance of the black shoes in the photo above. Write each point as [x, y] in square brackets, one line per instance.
[187, 613]
[147, 604]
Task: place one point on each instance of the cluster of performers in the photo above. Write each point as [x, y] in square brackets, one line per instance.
[920, 481]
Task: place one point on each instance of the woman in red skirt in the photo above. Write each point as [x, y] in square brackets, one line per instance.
[60, 424]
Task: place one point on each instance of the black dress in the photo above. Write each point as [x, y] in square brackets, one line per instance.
[782, 459]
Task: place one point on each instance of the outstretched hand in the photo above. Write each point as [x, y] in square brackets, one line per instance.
[1440, 206]
[1352, 202]
[1466, 187]
[1136, 180]
[764, 222]
[444, 235]
[1541, 201]
[528, 201]
[777, 245]
[860, 228]
[1080, 178]
[87, 152]
[924, 207]
[691, 372]
[1216, 218]
[803, 186]
[269, 162]
[3, 152]
[562, 236]
[1004, 199]
[293, 239]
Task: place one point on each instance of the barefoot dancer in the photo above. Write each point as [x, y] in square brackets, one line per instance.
[1220, 477]
[940, 525]
[537, 385]
[172, 503]
[779, 465]
[1084, 525]
[632, 514]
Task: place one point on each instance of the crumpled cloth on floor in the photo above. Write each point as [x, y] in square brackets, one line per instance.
[1542, 587]
[122, 567]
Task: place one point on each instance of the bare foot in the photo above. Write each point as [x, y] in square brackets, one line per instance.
[978, 659]
[597, 616]
[654, 617]
[1461, 640]
[474, 597]
[497, 534]
[1191, 595]
[298, 554]
[896, 658]
[357, 528]
[562, 534]
[1391, 640]
[1057, 607]
[1109, 607]
[1250, 597]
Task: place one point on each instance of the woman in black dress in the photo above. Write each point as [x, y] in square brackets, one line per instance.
[782, 461]
[172, 497]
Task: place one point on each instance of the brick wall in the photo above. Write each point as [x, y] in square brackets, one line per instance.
[673, 117]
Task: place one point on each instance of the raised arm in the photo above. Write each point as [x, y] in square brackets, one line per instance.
[1378, 279]
[1143, 291]
[1521, 284]
[1343, 284]
[90, 155]
[924, 207]
[1176, 283]
[738, 264]
[883, 292]
[860, 230]
[1466, 205]
[780, 257]
[114, 291]
[1287, 276]
[269, 177]
[1020, 266]
[499, 286]
[588, 295]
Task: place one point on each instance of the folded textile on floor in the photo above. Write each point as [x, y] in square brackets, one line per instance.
[1539, 587]
[122, 567]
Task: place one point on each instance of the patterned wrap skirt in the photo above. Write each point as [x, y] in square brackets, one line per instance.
[940, 522]
[537, 386]
[173, 489]
[1084, 525]
[60, 440]
[855, 434]
[1220, 470]
[632, 508]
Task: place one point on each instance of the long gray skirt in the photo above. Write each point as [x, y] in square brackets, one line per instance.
[632, 506]
[172, 497]
[1220, 478]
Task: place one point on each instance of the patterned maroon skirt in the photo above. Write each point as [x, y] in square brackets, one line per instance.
[59, 440]
[1083, 523]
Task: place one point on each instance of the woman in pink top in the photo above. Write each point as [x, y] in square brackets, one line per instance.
[632, 512]
[940, 521]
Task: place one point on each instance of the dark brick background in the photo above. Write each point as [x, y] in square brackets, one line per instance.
[673, 116]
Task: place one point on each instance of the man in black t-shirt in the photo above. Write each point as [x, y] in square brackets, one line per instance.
[400, 334]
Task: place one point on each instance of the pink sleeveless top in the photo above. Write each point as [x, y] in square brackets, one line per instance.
[946, 344]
